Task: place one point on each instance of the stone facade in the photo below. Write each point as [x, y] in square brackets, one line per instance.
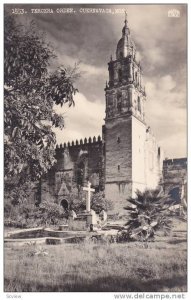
[132, 158]
[76, 164]
[127, 157]
[175, 176]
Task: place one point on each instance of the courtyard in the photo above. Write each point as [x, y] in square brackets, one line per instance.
[159, 266]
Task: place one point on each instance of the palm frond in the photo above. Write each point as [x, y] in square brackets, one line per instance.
[148, 212]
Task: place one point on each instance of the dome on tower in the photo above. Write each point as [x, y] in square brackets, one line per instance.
[125, 46]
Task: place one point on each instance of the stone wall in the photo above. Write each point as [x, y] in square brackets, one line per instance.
[153, 161]
[118, 192]
[57, 184]
[138, 155]
[118, 158]
[69, 156]
[174, 173]
[118, 152]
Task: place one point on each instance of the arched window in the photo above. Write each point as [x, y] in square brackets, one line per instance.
[119, 106]
[64, 204]
[118, 140]
[139, 104]
[119, 99]
[119, 75]
[111, 73]
[136, 80]
[80, 173]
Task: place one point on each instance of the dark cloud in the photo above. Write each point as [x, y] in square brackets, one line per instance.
[161, 44]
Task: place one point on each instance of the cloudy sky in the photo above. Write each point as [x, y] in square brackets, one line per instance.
[91, 38]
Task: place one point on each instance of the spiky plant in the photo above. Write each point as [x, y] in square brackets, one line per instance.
[148, 212]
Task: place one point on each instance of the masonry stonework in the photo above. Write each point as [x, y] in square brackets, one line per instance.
[127, 157]
[174, 176]
[132, 159]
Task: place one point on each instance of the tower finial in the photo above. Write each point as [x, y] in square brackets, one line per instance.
[125, 30]
[125, 17]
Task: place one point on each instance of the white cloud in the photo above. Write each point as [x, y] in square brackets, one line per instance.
[89, 70]
[167, 83]
[166, 116]
[161, 45]
[85, 69]
[177, 145]
[85, 119]
[167, 119]
[138, 56]
[155, 56]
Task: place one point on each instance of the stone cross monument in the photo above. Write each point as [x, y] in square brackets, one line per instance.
[88, 189]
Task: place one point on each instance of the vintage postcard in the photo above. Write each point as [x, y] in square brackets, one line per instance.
[95, 149]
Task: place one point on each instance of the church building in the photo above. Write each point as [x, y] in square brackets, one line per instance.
[133, 159]
[126, 157]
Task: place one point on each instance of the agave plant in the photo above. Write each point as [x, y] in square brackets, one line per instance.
[148, 212]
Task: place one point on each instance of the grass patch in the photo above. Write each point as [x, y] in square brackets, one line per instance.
[90, 267]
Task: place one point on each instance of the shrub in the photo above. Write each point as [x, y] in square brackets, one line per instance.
[26, 214]
[123, 236]
[148, 212]
[50, 213]
[17, 215]
[77, 200]
[99, 202]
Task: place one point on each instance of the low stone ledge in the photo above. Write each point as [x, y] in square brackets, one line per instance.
[63, 227]
[53, 241]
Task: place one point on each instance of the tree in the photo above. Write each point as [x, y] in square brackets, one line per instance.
[30, 91]
[26, 214]
[98, 202]
[148, 212]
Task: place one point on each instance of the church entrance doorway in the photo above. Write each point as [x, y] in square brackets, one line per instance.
[64, 204]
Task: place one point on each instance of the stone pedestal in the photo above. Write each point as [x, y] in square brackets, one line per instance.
[83, 221]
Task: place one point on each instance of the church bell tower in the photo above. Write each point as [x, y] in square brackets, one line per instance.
[125, 129]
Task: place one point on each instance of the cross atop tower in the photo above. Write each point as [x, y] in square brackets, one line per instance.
[125, 16]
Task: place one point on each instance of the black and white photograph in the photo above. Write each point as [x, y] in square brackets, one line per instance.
[95, 148]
